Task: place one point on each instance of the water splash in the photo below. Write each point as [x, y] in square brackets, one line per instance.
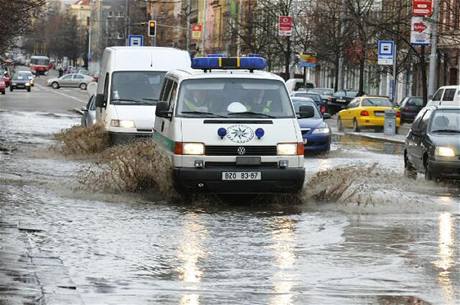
[79, 140]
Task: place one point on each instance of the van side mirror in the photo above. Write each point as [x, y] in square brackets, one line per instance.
[100, 101]
[326, 116]
[430, 97]
[162, 110]
[306, 112]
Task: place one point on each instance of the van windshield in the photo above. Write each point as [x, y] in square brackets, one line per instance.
[231, 97]
[136, 87]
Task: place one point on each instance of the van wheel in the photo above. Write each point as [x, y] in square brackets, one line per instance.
[11, 89]
[356, 126]
[83, 86]
[28, 89]
[339, 124]
[3, 92]
[55, 85]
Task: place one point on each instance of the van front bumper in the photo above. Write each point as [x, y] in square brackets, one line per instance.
[209, 180]
[119, 138]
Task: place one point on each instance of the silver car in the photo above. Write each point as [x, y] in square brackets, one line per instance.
[75, 80]
[89, 113]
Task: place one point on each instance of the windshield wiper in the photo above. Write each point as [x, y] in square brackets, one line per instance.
[252, 113]
[127, 100]
[203, 113]
[446, 130]
[150, 99]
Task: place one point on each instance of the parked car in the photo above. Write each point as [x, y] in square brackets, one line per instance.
[314, 96]
[340, 100]
[326, 93]
[88, 118]
[2, 86]
[316, 133]
[20, 81]
[366, 112]
[410, 106]
[432, 145]
[71, 80]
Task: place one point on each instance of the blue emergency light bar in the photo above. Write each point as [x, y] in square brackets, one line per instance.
[246, 63]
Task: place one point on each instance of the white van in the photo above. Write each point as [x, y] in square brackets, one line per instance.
[129, 86]
[230, 131]
[295, 84]
[446, 95]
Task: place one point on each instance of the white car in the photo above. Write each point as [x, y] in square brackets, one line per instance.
[75, 80]
[231, 130]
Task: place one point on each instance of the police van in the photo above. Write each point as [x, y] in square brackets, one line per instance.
[230, 128]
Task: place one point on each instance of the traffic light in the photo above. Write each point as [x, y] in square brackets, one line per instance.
[152, 29]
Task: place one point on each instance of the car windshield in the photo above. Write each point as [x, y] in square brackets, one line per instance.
[297, 104]
[313, 96]
[136, 87]
[379, 101]
[39, 61]
[445, 120]
[351, 93]
[20, 76]
[322, 91]
[231, 97]
[414, 101]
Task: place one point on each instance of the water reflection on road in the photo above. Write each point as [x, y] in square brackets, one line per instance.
[132, 249]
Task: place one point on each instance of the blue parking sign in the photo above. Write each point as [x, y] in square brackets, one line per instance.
[386, 49]
[135, 40]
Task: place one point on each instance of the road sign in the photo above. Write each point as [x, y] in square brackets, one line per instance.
[285, 25]
[422, 8]
[196, 31]
[386, 52]
[152, 28]
[135, 40]
[307, 60]
[420, 31]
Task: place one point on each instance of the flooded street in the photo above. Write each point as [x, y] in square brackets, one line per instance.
[382, 239]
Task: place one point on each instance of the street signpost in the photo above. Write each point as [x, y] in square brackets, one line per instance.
[197, 29]
[285, 25]
[422, 8]
[135, 40]
[386, 52]
[420, 31]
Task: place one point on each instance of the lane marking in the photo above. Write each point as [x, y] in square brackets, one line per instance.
[62, 94]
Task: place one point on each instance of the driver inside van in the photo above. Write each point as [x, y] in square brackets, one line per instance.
[195, 100]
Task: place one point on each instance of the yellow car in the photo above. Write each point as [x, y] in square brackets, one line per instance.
[366, 112]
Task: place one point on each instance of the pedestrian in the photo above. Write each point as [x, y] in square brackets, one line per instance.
[61, 71]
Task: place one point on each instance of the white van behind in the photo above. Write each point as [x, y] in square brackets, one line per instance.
[129, 87]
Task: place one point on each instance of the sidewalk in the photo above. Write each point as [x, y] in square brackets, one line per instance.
[370, 134]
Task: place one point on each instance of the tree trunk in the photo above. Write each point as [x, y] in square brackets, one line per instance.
[424, 77]
[336, 73]
[287, 58]
[362, 64]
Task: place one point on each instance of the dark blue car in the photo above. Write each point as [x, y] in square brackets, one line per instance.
[315, 131]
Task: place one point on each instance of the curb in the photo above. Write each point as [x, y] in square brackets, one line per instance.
[370, 137]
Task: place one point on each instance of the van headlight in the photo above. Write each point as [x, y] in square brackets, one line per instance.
[324, 130]
[192, 148]
[442, 151]
[286, 149]
[122, 123]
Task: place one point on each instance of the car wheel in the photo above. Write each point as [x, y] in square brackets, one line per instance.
[339, 124]
[3, 92]
[356, 126]
[11, 88]
[28, 89]
[83, 86]
[55, 85]
[409, 170]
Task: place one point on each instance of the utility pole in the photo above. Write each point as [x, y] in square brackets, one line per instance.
[395, 71]
[127, 29]
[187, 33]
[340, 77]
[434, 48]
[203, 30]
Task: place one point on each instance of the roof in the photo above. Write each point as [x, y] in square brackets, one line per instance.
[200, 74]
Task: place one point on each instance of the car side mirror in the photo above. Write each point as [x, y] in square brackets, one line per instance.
[430, 97]
[326, 116]
[100, 101]
[162, 110]
[84, 109]
[306, 112]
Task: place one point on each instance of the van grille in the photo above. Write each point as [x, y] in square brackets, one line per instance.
[212, 150]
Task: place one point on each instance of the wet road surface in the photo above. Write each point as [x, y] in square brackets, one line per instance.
[103, 248]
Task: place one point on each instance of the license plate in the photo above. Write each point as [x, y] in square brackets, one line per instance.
[379, 113]
[237, 176]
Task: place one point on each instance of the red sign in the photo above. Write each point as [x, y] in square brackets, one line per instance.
[197, 28]
[422, 8]
[419, 27]
[285, 25]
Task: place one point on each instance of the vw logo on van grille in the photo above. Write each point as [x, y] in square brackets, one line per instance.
[241, 150]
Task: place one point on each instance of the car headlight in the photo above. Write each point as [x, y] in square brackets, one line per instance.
[323, 130]
[122, 123]
[192, 148]
[287, 149]
[444, 152]
[27, 84]
[14, 84]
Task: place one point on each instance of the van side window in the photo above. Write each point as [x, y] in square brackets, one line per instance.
[449, 95]
[425, 120]
[166, 90]
[437, 96]
[106, 88]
